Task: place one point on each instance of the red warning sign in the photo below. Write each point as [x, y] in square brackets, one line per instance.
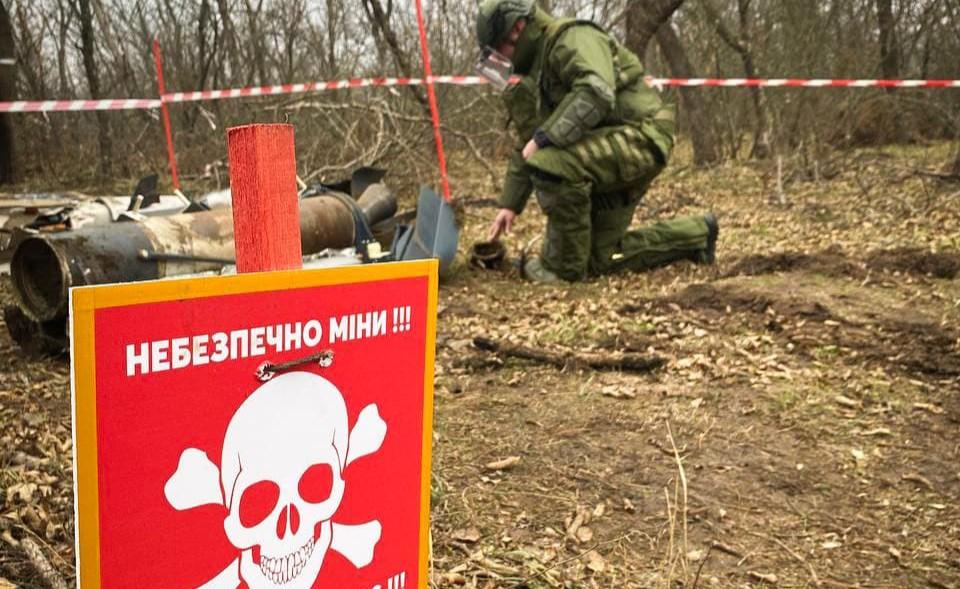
[263, 430]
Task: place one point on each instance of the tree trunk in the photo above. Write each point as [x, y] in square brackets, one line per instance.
[695, 108]
[88, 51]
[889, 65]
[258, 50]
[889, 44]
[652, 18]
[643, 21]
[761, 141]
[64, 20]
[332, 67]
[8, 92]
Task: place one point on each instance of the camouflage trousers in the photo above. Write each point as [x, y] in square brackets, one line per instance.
[589, 192]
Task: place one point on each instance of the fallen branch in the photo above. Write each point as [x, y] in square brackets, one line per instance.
[726, 549]
[628, 362]
[42, 565]
[945, 177]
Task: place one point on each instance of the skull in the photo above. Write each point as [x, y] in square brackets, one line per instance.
[281, 474]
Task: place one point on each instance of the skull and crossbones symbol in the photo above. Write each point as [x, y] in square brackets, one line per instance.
[281, 481]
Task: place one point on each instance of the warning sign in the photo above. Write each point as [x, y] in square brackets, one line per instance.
[262, 430]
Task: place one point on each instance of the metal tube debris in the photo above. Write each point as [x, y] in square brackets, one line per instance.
[45, 266]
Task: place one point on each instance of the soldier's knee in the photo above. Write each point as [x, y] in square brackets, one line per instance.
[568, 200]
[544, 176]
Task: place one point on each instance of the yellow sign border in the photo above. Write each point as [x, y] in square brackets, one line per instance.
[84, 301]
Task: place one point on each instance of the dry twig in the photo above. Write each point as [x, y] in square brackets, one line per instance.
[41, 564]
[628, 362]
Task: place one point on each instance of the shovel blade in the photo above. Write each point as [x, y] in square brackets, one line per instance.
[434, 234]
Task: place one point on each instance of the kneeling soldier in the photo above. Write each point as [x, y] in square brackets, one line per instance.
[593, 137]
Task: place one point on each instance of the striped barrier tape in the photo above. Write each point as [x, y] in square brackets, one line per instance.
[300, 88]
[286, 89]
[79, 105]
[802, 83]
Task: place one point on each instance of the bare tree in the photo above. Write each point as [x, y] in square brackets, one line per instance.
[333, 24]
[229, 34]
[255, 51]
[643, 21]
[742, 44]
[8, 91]
[380, 19]
[64, 20]
[228, 43]
[889, 43]
[29, 48]
[696, 109]
[88, 50]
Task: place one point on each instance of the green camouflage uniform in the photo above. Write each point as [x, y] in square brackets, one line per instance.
[610, 135]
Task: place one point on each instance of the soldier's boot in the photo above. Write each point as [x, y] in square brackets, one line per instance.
[709, 255]
[566, 245]
[665, 242]
[534, 271]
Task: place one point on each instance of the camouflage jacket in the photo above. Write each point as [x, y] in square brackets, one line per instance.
[581, 79]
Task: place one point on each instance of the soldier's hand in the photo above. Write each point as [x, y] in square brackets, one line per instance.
[530, 148]
[502, 223]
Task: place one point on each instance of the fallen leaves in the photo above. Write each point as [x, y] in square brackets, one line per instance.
[618, 392]
[770, 578]
[929, 408]
[762, 364]
[468, 536]
[573, 524]
[846, 402]
[919, 479]
[595, 562]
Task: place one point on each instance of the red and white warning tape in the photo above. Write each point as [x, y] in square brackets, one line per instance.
[79, 105]
[799, 83]
[290, 89]
[175, 97]
[319, 87]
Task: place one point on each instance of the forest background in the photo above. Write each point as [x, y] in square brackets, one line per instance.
[72, 49]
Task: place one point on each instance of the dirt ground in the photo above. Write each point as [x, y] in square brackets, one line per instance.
[803, 432]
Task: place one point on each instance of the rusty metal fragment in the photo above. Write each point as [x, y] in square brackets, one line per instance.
[45, 266]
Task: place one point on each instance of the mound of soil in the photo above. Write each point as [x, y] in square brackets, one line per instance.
[915, 261]
[834, 262]
[830, 262]
[912, 344]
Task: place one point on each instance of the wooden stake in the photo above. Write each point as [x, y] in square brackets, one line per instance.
[266, 211]
[781, 196]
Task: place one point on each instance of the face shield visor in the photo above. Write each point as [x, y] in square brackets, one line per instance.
[494, 68]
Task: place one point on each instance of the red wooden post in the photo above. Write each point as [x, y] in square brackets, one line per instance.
[162, 89]
[266, 211]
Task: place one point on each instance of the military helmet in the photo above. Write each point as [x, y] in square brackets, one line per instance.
[496, 17]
